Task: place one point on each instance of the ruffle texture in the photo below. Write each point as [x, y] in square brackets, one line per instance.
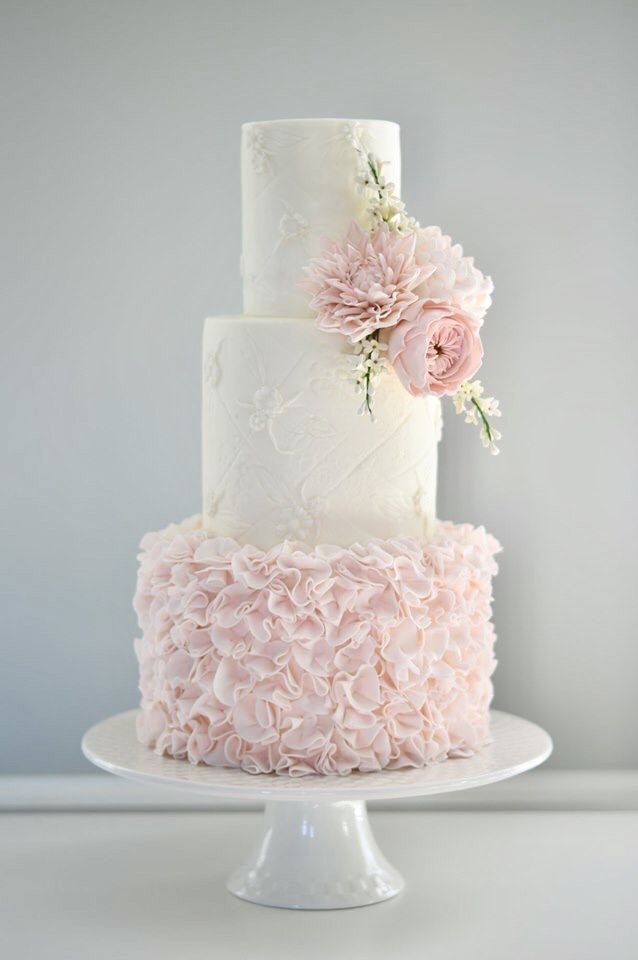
[322, 659]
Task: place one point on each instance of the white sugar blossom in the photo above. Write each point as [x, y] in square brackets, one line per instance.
[384, 206]
[369, 363]
[477, 409]
[352, 133]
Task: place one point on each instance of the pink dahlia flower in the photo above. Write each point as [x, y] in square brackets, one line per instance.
[364, 282]
[434, 348]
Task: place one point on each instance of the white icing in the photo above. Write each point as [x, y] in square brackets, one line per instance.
[285, 454]
[298, 186]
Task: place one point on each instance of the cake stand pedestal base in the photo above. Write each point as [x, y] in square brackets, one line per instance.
[316, 850]
[316, 856]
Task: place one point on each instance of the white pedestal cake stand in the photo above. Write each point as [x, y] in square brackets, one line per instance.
[316, 850]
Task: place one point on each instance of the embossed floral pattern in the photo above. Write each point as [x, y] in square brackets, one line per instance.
[300, 520]
[299, 660]
[267, 404]
[292, 225]
[287, 430]
[261, 154]
[290, 426]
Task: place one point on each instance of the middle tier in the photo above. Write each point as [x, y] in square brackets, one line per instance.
[285, 454]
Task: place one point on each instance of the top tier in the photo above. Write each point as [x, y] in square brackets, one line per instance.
[298, 181]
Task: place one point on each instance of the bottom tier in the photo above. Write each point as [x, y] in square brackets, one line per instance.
[323, 659]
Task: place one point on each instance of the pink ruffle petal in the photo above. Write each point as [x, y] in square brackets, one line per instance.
[306, 660]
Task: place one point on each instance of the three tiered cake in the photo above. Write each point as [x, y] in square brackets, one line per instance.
[317, 618]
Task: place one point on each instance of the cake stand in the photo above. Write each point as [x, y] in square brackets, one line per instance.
[315, 849]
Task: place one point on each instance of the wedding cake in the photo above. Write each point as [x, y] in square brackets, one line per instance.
[316, 617]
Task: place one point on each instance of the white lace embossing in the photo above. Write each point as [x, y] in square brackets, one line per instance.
[300, 520]
[287, 209]
[285, 455]
[292, 225]
[258, 149]
[297, 514]
[267, 404]
[286, 421]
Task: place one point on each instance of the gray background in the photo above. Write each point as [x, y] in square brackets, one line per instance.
[120, 232]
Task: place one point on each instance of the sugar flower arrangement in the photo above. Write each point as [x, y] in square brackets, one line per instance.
[404, 296]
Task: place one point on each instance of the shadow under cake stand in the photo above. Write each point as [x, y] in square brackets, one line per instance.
[315, 849]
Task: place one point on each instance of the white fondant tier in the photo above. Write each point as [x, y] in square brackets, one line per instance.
[298, 186]
[285, 453]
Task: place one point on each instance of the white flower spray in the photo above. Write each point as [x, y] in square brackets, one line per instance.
[469, 400]
[369, 362]
[383, 205]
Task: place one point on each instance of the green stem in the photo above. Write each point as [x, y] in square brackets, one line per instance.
[366, 379]
[375, 177]
[486, 422]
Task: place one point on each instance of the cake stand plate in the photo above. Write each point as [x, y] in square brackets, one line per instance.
[316, 850]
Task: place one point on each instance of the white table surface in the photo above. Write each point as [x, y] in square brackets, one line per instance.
[514, 886]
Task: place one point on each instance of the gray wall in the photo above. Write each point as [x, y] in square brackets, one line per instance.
[120, 232]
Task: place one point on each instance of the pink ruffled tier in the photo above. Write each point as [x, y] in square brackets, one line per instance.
[320, 659]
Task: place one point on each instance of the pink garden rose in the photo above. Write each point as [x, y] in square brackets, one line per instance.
[434, 348]
[364, 282]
